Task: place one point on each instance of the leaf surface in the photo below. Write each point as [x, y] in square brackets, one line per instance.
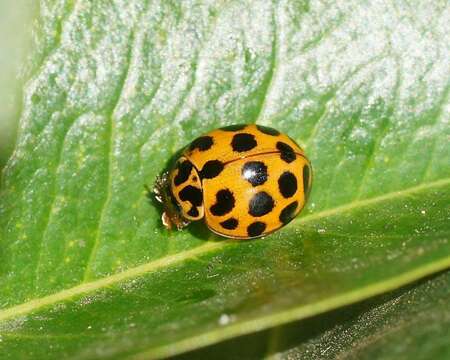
[117, 88]
[408, 323]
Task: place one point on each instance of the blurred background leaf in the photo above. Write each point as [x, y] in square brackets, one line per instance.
[112, 90]
[15, 26]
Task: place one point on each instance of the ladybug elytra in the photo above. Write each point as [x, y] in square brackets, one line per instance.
[246, 181]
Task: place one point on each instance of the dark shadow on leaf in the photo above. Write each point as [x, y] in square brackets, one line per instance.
[199, 230]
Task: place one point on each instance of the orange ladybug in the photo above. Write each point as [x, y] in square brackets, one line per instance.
[246, 181]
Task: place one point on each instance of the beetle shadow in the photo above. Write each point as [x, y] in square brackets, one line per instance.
[197, 229]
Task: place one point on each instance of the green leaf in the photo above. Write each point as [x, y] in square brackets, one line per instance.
[115, 89]
[411, 324]
[408, 323]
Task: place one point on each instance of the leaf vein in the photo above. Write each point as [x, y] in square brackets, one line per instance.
[52, 204]
[383, 130]
[110, 145]
[170, 260]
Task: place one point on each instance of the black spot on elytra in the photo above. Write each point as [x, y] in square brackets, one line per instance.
[306, 179]
[261, 204]
[287, 214]
[287, 183]
[243, 142]
[211, 169]
[202, 143]
[192, 194]
[268, 130]
[255, 172]
[184, 170]
[193, 212]
[287, 152]
[224, 203]
[256, 228]
[230, 224]
[236, 127]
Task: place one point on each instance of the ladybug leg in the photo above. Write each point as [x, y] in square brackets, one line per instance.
[166, 220]
[171, 216]
[170, 219]
[181, 223]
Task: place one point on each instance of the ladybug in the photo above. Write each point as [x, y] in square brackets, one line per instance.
[246, 181]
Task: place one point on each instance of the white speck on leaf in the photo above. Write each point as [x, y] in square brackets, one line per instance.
[225, 319]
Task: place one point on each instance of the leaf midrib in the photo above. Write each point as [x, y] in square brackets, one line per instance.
[167, 261]
[295, 313]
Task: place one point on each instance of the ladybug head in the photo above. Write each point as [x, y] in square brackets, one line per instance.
[172, 216]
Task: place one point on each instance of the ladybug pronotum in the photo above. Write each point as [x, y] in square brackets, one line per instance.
[246, 181]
